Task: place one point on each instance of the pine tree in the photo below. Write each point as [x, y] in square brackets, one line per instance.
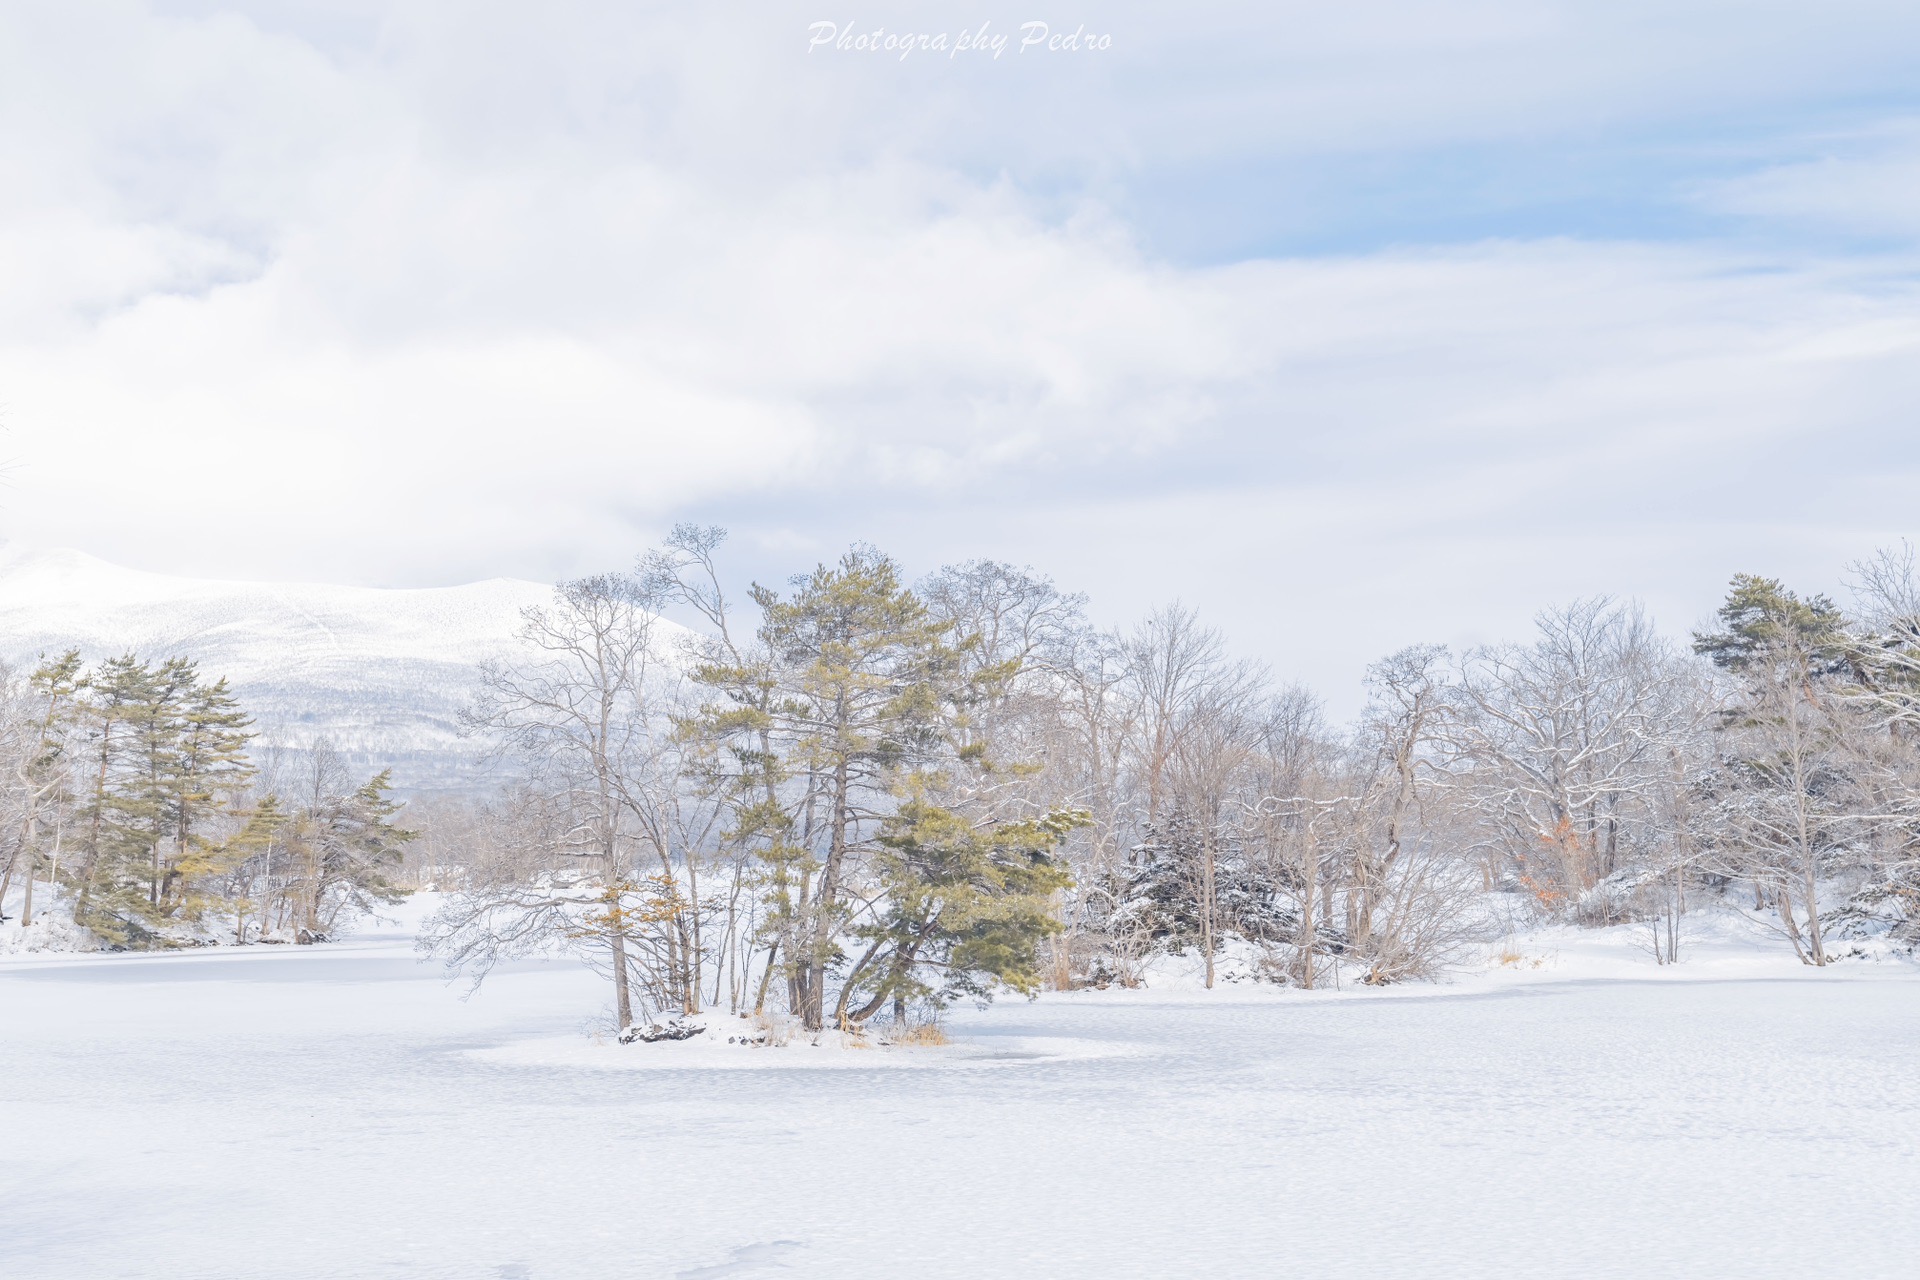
[853, 745]
[259, 831]
[345, 845]
[1762, 621]
[161, 754]
[859, 665]
[1795, 810]
[968, 902]
[209, 759]
[120, 814]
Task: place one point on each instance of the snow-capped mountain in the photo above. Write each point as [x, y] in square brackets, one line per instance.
[382, 671]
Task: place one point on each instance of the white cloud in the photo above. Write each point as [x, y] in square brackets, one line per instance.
[1859, 183]
[451, 291]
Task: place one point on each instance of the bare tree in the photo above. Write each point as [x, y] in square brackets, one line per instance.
[1212, 765]
[1176, 671]
[574, 714]
[1562, 742]
[1304, 841]
[1885, 692]
[35, 755]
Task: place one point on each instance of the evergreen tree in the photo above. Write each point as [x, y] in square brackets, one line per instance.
[344, 845]
[121, 814]
[1763, 622]
[254, 842]
[148, 797]
[1169, 872]
[1797, 807]
[858, 665]
[853, 743]
[130, 782]
[209, 758]
[967, 902]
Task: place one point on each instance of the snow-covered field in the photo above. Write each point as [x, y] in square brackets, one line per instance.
[341, 1111]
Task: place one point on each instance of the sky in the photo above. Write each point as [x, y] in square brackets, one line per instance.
[1352, 326]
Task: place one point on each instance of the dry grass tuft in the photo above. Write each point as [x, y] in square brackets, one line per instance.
[776, 1029]
[1508, 958]
[923, 1035]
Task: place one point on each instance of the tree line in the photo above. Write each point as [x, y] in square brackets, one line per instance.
[140, 807]
[856, 797]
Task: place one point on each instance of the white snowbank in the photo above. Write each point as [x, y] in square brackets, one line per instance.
[1717, 943]
[830, 1051]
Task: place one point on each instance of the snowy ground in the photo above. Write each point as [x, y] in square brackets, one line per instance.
[273, 1112]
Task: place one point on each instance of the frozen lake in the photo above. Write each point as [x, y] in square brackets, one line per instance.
[342, 1112]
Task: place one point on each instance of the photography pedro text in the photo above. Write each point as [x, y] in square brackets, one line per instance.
[1036, 36]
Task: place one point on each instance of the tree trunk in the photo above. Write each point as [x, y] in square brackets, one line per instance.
[622, 998]
[1784, 902]
[691, 940]
[1805, 834]
[846, 988]
[1814, 943]
[813, 1011]
[91, 860]
[760, 999]
[1207, 896]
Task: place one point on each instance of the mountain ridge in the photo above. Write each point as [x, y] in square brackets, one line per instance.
[381, 671]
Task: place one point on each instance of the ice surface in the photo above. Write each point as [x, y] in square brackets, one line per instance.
[341, 1111]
